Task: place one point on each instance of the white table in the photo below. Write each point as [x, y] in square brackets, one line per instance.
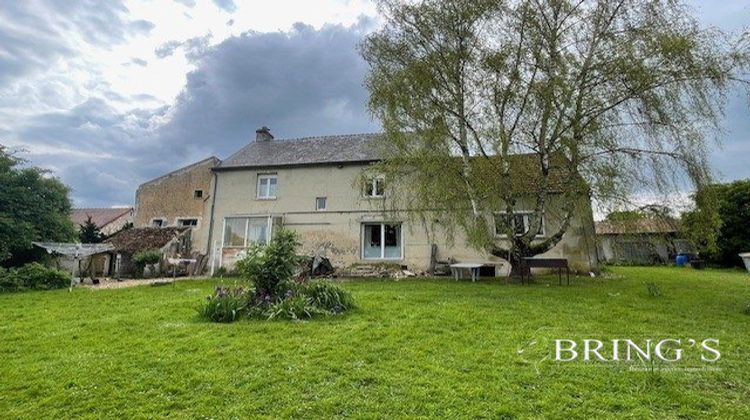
[472, 267]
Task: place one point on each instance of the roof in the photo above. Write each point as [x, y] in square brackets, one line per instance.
[640, 226]
[348, 148]
[213, 159]
[101, 217]
[130, 241]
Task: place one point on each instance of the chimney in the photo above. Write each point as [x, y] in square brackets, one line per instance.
[263, 134]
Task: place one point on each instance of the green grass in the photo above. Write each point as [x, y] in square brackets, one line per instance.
[413, 348]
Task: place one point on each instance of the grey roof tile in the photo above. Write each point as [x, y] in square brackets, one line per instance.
[305, 151]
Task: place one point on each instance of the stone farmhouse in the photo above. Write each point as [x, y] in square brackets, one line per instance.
[314, 186]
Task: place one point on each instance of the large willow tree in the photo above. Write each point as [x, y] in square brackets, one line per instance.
[486, 104]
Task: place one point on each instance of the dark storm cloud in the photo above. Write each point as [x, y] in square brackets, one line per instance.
[301, 82]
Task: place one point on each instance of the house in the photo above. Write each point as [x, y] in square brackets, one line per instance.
[648, 240]
[181, 198]
[170, 241]
[108, 220]
[311, 185]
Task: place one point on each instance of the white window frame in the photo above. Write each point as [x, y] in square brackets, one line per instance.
[267, 191]
[382, 241]
[162, 219]
[247, 227]
[179, 219]
[325, 203]
[526, 222]
[373, 182]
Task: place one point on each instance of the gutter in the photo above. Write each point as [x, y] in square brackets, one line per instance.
[211, 220]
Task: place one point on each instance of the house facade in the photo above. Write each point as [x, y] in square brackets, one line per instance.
[312, 185]
[182, 199]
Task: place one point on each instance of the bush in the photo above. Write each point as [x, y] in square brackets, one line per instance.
[33, 276]
[292, 307]
[271, 269]
[141, 259]
[327, 296]
[270, 266]
[747, 309]
[226, 304]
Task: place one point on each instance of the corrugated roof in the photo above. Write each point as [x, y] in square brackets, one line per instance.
[100, 216]
[639, 226]
[305, 151]
[130, 241]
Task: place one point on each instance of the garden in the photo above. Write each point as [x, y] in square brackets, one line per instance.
[416, 347]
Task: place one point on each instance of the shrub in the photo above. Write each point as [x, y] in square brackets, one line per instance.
[227, 304]
[145, 258]
[271, 269]
[292, 307]
[653, 289]
[270, 266]
[33, 276]
[328, 296]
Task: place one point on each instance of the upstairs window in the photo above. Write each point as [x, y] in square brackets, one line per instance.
[375, 187]
[519, 222]
[267, 187]
[158, 222]
[187, 222]
[198, 194]
[321, 203]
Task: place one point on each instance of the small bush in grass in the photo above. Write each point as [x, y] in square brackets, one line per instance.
[747, 309]
[292, 307]
[327, 296]
[270, 266]
[275, 295]
[653, 289]
[227, 304]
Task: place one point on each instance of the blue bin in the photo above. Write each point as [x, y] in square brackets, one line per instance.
[682, 259]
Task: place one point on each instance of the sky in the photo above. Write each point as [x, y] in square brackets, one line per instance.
[109, 94]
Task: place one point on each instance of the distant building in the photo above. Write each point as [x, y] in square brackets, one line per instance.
[181, 198]
[108, 220]
[641, 241]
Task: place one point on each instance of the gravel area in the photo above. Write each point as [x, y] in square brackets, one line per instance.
[108, 283]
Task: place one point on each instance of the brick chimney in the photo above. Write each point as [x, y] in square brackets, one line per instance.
[263, 134]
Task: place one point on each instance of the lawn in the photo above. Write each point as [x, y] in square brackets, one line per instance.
[427, 347]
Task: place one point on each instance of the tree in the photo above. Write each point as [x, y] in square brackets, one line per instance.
[491, 105]
[719, 223]
[89, 232]
[33, 207]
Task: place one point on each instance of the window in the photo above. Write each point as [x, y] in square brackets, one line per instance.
[158, 222]
[375, 187]
[266, 187]
[187, 222]
[381, 241]
[320, 203]
[243, 231]
[520, 223]
[198, 194]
